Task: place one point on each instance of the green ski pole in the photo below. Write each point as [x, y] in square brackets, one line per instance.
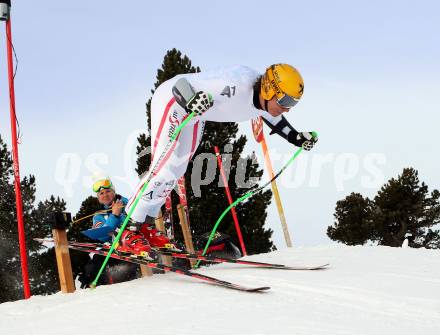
[247, 195]
[130, 212]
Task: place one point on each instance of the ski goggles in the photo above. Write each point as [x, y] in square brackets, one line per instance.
[286, 101]
[103, 183]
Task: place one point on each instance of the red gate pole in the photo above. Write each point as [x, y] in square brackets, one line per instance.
[18, 199]
[228, 194]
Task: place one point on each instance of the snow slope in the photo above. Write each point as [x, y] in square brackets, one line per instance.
[367, 290]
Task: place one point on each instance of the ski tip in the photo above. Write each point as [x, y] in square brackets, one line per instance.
[258, 289]
[306, 268]
[320, 267]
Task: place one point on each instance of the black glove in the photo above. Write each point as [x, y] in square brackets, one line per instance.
[305, 140]
[200, 103]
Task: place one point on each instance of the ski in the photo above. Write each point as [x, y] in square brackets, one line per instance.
[213, 259]
[166, 268]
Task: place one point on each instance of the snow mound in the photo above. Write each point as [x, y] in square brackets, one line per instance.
[366, 290]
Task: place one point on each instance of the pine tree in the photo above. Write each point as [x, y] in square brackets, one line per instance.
[205, 210]
[173, 64]
[352, 220]
[403, 208]
[42, 271]
[42, 263]
[431, 240]
[88, 207]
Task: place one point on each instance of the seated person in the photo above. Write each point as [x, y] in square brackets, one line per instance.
[105, 223]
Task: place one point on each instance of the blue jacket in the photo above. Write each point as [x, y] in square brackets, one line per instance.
[105, 224]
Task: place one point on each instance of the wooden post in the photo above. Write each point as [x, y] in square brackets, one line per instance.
[146, 271]
[59, 223]
[167, 260]
[186, 232]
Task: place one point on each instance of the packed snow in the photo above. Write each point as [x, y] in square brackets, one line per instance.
[366, 290]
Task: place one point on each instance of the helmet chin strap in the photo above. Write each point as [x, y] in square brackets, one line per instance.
[265, 104]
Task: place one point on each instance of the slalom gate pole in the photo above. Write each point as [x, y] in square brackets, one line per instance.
[276, 194]
[257, 129]
[138, 197]
[247, 195]
[228, 194]
[18, 198]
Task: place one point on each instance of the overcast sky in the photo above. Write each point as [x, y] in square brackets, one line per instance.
[371, 72]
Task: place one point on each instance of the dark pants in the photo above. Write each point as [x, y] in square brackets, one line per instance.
[115, 272]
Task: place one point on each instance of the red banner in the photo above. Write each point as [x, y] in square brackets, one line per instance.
[257, 128]
[181, 191]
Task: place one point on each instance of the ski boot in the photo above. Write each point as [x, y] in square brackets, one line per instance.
[156, 238]
[132, 243]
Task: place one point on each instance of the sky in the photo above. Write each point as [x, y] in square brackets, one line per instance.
[371, 72]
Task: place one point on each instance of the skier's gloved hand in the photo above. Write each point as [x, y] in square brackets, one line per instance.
[200, 103]
[305, 140]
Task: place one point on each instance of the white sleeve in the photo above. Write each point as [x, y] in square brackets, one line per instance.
[282, 127]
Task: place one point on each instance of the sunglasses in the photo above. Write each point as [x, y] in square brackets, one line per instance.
[100, 184]
[286, 101]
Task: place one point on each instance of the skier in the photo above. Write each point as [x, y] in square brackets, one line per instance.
[233, 94]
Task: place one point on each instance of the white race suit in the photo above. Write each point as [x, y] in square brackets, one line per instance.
[232, 92]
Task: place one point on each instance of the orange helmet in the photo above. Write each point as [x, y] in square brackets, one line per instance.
[284, 82]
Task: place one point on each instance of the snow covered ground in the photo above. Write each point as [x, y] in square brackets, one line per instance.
[367, 290]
